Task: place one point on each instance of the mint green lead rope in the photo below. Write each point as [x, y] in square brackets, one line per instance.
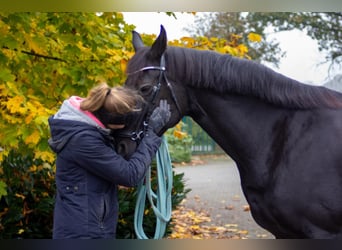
[160, 201]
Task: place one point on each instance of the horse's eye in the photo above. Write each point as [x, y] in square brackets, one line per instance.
[146, 89]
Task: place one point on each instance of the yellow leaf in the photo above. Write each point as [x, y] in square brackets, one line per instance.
[214, 39]
[236, 198]
[195, 227]
[20, 196]
[4, 29]
[32, 44]
[45, 156]
[228, 49]
[33, 168]
[119, 15]
[179, 134]
[231, 225]
[21, 231]
[15, 105]
[3, 90]
[236, 36]
[188, 41]
[253, 37]
[246, 208]
[12, 87]
[123, 221]
[10, 54]
[33, 138]
[29, 118]
[242, 49]
[179, 126]
[123, 64]
[46, 165]
[45, 194]
[3, 154]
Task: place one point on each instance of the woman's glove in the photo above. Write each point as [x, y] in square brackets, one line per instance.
[160, 116]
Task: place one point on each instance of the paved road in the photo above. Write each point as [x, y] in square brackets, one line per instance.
[215, 185]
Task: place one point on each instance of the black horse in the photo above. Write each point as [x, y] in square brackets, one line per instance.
[285, 136]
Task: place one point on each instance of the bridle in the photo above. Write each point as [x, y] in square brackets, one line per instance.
[143, 120]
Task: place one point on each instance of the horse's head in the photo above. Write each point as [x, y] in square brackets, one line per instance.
[148, 73]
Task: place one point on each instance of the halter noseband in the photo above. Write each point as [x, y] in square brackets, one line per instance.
[139, 134]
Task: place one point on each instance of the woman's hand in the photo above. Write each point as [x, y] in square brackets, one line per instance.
[160, 116]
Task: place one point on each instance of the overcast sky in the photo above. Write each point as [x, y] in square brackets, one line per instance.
[303, 60]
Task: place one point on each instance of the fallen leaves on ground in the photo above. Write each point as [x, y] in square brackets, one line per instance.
[246, 208]
[190, 224]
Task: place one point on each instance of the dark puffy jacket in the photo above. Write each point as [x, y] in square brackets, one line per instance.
[88, 172]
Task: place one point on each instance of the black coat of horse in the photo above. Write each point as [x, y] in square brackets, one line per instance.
[285, 136]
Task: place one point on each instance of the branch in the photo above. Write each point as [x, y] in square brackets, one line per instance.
[43, 56]
[38, 55]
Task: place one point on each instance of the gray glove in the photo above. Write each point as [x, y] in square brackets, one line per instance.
[160, 116]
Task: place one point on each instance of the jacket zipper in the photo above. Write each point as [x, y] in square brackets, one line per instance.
[103, 215]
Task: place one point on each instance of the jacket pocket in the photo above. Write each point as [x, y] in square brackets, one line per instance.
[102, 212]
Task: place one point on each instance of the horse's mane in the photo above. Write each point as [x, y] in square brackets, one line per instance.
[224, 73]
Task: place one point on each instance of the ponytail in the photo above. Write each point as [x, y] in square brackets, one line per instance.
[95, 98]
[117, 100]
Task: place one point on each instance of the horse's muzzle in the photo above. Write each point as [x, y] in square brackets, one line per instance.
[126, 147]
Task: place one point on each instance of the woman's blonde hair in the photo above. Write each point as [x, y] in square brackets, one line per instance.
[116, 100]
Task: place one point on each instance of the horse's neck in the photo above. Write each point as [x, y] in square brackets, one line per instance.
[240, 125]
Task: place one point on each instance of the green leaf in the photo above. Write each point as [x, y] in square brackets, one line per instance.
[3, 191]
[9, 42]
[6, 75]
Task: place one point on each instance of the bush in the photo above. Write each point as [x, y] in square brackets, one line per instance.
[26, 211]
[179, 143]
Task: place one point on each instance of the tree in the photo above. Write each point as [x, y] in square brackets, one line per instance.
[325, 28]
[228, 25]
[45, 58]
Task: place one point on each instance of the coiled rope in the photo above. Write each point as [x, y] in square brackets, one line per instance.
[161, 200]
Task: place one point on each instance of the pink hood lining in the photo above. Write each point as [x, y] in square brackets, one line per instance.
[75, 101]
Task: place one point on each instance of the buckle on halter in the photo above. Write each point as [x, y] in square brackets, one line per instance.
[137, 135]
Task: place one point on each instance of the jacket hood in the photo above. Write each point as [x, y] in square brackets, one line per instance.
[70, 120]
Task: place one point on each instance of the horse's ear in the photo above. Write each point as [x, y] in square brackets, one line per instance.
[137, 41]
[159, 45]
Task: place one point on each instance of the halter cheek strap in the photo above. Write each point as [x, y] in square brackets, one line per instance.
[168, 83]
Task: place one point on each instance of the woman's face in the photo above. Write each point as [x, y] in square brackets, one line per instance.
[116, 126]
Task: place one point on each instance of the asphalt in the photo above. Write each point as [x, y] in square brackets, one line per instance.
[215, 188]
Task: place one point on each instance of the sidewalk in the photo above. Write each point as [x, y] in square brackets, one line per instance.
[216, 191]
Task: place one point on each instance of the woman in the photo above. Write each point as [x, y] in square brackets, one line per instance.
[88, 168]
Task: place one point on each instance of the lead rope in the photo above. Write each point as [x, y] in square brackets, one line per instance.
[163, 207]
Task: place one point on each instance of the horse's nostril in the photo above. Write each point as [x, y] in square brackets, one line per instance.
[121, 149]
[125, 147]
